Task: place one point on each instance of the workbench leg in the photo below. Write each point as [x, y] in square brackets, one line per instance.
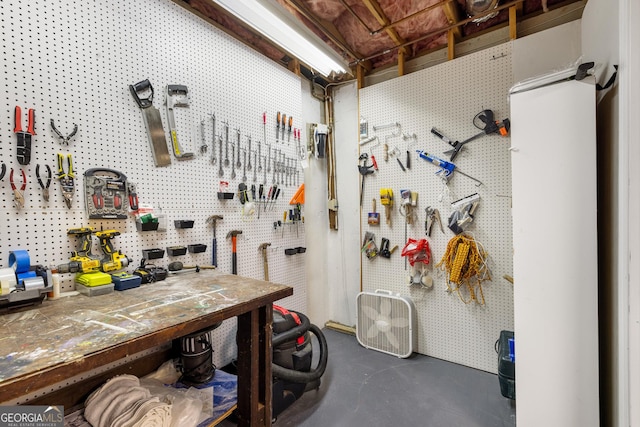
[254, 367]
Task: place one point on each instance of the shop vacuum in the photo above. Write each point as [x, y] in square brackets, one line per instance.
[292, 357]
[292, 369]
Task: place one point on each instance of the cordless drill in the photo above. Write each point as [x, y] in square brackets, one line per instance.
[112, 260]
[81, 260]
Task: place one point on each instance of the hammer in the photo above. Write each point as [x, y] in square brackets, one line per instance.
[214, 248]
[178, 266]
[234, 256]
[263, 249]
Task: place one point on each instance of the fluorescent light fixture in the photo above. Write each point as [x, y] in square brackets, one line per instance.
[272, 23]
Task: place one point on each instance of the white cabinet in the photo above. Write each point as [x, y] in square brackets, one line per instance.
[553, 140]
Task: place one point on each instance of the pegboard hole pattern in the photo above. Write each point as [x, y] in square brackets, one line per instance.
[447, 97]
[73, 62]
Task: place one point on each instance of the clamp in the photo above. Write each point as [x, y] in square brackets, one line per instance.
[67, 183]
[44, 185]
[364, 170]
[18, 195]
[65, 139]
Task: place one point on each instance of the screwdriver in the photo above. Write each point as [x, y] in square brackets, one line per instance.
[284, 125]
[264, 127]
[277, 193]
[260, 192]
[284, 221]
[278, 126]
[289, 129]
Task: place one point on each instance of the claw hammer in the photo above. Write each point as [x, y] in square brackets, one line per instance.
[234, 256]
[263, 248]
[214, 247]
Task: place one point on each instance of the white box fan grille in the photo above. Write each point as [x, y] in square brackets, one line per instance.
[385, 323]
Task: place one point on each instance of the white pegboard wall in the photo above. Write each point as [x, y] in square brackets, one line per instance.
[73, 62]
[446, 97]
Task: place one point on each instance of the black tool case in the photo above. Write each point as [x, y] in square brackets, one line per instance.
[506, 367]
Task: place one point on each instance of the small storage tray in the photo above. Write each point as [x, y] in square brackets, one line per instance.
[154, 253]
[146, 226]
[176, 250]
[183, 223]
[197, 248]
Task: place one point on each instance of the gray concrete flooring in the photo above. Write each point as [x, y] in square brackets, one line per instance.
[367, 388]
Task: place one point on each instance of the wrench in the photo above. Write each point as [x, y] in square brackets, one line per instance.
[269, 161]
[220, 170]
[244, 165]
[264, 179]
[233, 163]
[226, 144]
[213, 140]
[249, 164]
[203, 144]
[238, 164]
[255, 170]
[273, 181]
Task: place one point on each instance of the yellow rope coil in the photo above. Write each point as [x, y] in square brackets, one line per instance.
[464, 263]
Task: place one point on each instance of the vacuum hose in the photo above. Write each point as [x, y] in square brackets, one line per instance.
[291, 374]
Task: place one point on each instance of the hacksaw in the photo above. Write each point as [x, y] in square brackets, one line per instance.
[176, 96]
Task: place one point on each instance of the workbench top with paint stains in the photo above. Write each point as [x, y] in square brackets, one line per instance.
[72, 328]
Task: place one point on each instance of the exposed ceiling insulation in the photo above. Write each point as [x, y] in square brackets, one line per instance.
[375, 34]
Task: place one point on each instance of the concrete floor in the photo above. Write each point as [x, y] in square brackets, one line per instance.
[367, 388]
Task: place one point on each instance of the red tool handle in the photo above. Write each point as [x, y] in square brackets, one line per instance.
[264, 118]
[32, 121]
[375, 164]
[17, 120]
[133, 201]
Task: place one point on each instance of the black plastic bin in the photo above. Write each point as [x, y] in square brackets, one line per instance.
[506, 366]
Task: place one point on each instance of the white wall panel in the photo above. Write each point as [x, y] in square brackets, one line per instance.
[447, 97]
[73, 61]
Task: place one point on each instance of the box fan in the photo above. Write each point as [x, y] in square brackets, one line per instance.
[385, 322]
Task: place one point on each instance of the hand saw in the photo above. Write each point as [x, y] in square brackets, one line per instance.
[152, 122]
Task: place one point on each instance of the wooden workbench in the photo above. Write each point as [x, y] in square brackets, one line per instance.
[60, 339]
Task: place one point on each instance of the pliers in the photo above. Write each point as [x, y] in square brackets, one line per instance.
[24, 137]
[433, 215]
[18, 195]
[44, 185]
[67, 183]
